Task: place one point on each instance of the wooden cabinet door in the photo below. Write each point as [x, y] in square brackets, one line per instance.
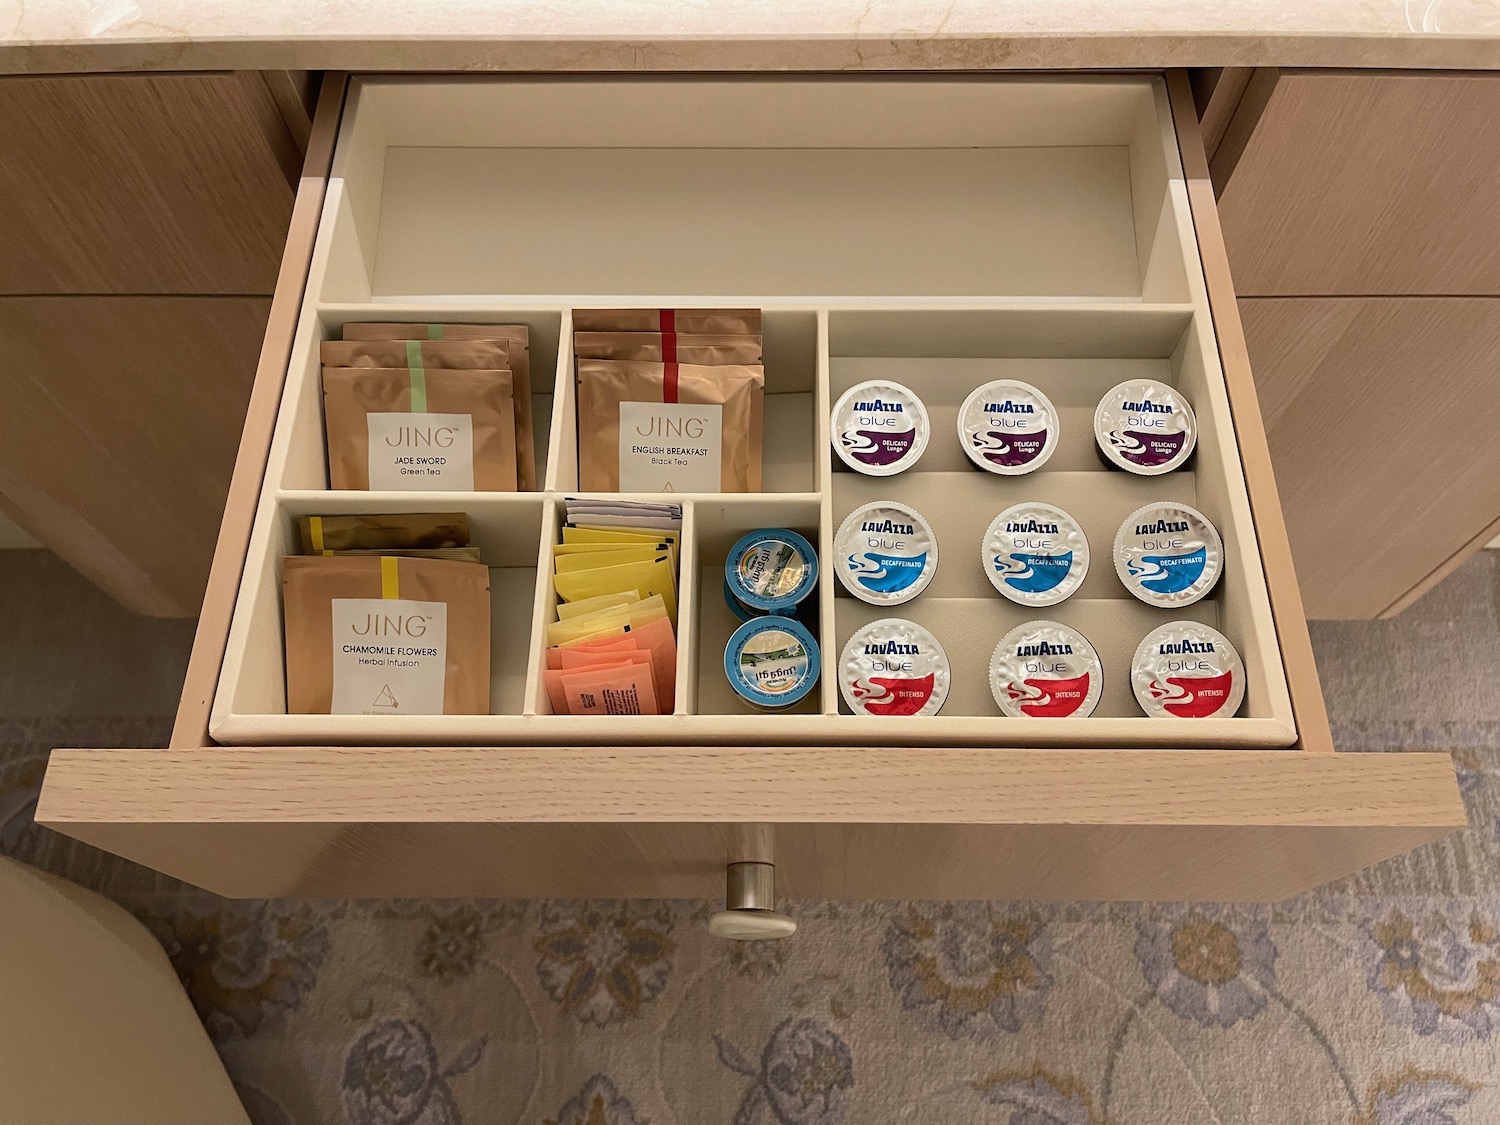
[1366, 183]
[1382, 415]
[137, 183]
[119, 420]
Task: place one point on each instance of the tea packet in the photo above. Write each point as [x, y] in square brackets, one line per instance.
[458, 355]
[321, 534]
[412, 429]
[706, 322]
[656, 347]
[669, 427]
[518, 345]
[385, 635]
[462, 554]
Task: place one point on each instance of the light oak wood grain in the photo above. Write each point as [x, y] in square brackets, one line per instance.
[1367, 183]
[1260, 480]
[191, 727]
[130, 183]
[1382, 415]
[1100, 824]
[117, 418]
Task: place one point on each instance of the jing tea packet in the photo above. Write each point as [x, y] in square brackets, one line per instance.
[386, 635]
[419, 430]
[669, 427]
[518, 343]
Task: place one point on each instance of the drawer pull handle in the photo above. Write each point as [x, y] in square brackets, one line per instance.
[750, 905]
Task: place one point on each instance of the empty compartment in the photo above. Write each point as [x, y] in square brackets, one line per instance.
[700, 187]
[250, 706]
[791, 446]
[299, 454]
[719, 525]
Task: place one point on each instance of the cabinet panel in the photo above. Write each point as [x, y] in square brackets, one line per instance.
[1360, 183]
[119, 420]
[1382, 415]
[124, 183]
[613, 812]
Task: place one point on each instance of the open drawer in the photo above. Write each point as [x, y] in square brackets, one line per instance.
[942, 232]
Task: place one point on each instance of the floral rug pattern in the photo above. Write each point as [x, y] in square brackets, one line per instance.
[1375, 1001]
[1340, 1007]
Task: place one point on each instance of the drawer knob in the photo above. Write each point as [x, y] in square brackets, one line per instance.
[749, 912]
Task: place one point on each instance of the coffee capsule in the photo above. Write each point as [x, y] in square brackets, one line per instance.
[1035, 554]
[1168, 554]
[893, 667]
[885, 553]
[1145, 427]
[1043, 669]
[1008, 427]
[879, 428]
[1189, 671]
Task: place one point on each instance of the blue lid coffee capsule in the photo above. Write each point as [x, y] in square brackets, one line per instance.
[772, 662]
[770, 570]
[1168, 554]
[885, 553]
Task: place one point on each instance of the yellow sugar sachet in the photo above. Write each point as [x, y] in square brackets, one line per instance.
[621, 536]
[651, 577]
[571, 564]
[616, 535]
[565, 610]
[607, 622]
[608, 548]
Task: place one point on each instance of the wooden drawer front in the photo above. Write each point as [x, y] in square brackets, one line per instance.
[1065, 204]
[1366, 183]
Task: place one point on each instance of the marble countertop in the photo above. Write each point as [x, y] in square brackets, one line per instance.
[48, 36]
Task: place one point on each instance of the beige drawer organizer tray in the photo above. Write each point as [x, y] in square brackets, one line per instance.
[939, 231]
[1049, 199]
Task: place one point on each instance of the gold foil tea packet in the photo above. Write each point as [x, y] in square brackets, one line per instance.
[321, 534]
[656, 347]
[420, 430]
[518, 343]
[669, 427]
[383, 635]
[736, 322]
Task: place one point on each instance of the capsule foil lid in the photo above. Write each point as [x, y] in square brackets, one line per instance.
[1045, 670]
[894, 667]
[1035, 554]
[880, 428]
[1145, 427]
[1186, 670]
[1008, 427]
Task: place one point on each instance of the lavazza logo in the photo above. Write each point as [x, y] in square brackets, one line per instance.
[1144, 407]
[1031, 527]
[1182, 648]
[1043, 648]
[1009, 407]
[877, 405]
[1161, 527]
[886, 527]
[891, 648]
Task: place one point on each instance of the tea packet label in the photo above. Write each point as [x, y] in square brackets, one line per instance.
[671, 447]
[389, 656]
[421, 452]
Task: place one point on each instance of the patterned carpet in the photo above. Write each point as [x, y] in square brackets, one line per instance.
[1372, 1002]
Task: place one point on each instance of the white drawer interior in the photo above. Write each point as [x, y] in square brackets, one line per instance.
[942, 233]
